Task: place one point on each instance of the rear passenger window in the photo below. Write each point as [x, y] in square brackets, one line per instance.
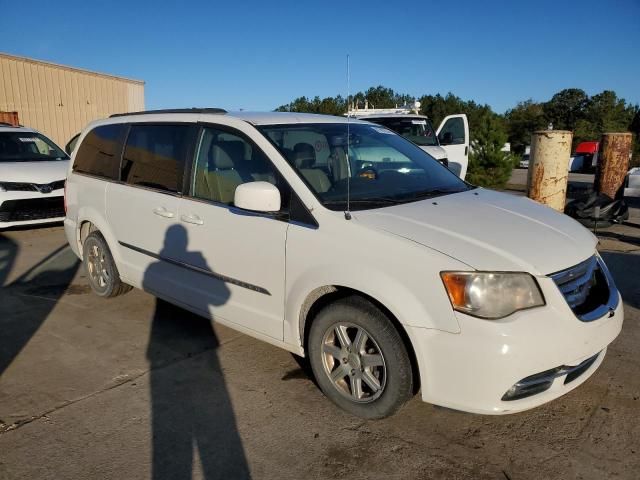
[99, 153]
[154, 156]
[224, 161]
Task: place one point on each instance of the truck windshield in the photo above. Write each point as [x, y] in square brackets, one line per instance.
[382, 168]
[417, 130]
[28, 147]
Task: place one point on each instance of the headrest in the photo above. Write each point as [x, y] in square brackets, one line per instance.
[224, 155]
[304, 155]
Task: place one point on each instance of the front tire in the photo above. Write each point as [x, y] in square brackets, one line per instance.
[101, 269]
[359, 359]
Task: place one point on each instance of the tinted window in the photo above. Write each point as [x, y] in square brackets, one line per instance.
[154, 156]
[418, 130]
[224, 161]
[24, 146]
[99, 153]
[452, 132]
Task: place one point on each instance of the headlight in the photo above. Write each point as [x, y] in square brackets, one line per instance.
[491, 295]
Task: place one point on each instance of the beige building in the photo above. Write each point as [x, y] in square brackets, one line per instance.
[59, 101]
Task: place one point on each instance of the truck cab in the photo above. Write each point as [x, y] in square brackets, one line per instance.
[449, 144]
[585, 159]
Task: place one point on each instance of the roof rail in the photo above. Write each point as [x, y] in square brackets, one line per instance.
[172, 110]
[7, 124]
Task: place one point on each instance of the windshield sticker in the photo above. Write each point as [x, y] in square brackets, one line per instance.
[419, 122]
[382, 130]
[27, 139]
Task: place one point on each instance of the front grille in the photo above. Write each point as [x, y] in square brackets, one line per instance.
[31, 209]
[33, 187]
[19, 187]
[588, 289]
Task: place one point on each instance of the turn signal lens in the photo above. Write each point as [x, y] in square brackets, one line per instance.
[491, 295]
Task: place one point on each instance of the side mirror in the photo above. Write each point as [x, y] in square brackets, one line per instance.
[446, 139]
[257, 197]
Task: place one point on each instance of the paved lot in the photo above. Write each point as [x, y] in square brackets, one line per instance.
[134, 388]
[576, 180]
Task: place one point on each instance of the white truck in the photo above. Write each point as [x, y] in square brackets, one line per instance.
[449, 144]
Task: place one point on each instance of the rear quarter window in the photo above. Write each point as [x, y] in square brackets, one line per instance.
[99, 153]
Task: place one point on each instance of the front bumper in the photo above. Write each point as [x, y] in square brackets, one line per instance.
[472, 370]
[19, 208]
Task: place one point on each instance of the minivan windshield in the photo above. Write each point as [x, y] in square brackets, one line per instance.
[378, 167]
[28, 147]
[418, 130]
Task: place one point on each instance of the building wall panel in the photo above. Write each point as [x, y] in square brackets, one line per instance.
[60, 101]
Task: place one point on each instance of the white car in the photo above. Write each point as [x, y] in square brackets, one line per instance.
[632, 183]
[449, 144]
[32, 175]
[343, 242]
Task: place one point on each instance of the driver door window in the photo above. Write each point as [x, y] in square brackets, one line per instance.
[223, 162]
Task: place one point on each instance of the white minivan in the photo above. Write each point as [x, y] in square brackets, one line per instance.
[343, 242]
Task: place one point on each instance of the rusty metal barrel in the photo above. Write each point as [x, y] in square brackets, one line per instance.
[548, 173]
[613, 163]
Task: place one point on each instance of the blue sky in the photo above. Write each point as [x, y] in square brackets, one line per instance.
[259, 55]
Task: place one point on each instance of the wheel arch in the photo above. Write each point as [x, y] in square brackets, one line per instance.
[320, 297]
[89, 220]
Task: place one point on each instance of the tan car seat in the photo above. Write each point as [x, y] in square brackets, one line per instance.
[304, 157]
[222, 177]
[338, 164]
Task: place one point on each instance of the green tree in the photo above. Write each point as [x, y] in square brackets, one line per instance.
[521, 121]
[489, 166]
[566, 108]
[604, 112]
[381, 97]
[635, 129]
[328, 106]
[436, 107]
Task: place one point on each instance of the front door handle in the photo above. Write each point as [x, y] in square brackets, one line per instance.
[163, 212]
[195, 219]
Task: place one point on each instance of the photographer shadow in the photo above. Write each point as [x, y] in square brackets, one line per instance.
[191, 409]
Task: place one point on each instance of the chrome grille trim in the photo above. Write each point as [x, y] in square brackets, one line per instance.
[33, 187]
[575, 284]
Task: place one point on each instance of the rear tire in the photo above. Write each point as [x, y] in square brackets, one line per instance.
[359, 359]
[101, 269]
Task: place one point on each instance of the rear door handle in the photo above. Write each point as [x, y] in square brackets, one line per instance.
[195, 219]
[163, 212]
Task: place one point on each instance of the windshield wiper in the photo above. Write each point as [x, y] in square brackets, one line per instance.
[433, 192]
[364, 201]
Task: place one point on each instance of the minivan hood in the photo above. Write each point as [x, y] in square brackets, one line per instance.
[489, 230]
[34, 172]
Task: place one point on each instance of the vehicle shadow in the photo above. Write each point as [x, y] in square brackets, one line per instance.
[191, 409]
[624, 268]
[27, 302]
[8, 253]
[621, 237]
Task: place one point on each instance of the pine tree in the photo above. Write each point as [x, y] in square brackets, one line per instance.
[489, 166]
